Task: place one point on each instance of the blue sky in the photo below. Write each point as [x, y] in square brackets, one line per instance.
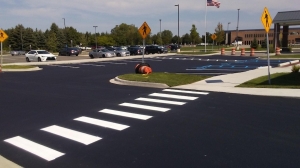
[106, 14]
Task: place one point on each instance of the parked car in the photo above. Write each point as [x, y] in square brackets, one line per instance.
[68, 51]
[155, 49]
[111, 48]
[39, 55]
[135, 50]
[97, 53]
[121, 52]
[14, 53]
[174, 47]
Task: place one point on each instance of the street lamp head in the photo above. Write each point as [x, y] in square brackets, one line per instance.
[177, 5]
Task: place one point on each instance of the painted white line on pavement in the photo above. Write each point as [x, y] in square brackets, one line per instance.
[34, 148]
[174, 96]
[186, 91]
[71, 134]
[145, 107]
[161, 101]
[126, 114]
[102, 123]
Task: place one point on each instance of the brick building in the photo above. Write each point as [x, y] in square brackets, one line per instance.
[281, 33]
[247, 36]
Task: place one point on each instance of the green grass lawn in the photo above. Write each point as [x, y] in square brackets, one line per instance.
[283, 56]
[170, 79]
[17, 66]
[278, 80]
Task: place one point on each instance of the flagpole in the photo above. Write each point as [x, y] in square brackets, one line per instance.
[205, 24]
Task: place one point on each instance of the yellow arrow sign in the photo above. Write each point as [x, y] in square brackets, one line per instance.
[266, 19]
[3, 36]
[144, 30]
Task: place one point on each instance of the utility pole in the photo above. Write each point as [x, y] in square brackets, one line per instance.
[237, 31]
[178, 25]
[96, 36]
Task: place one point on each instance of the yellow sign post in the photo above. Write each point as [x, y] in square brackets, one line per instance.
[144, 30]
[3, 36]
[213, 37]
[266, 20]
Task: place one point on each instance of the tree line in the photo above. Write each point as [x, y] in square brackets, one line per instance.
[55, 38]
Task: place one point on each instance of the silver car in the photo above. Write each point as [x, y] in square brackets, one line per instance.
[97, 53]
[121, 52]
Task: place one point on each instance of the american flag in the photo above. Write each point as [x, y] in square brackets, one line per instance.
[213, 3]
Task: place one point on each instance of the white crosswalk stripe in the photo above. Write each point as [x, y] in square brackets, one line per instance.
[160, 101]
[126, 114]
[34, 148]
[71, 134]
[145, 107]
[186, 91]
[173, 96]
[102, 123]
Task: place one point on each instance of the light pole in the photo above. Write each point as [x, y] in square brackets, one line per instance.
[227, 34]
[96, 36]
[178, 25]
[237, 31]
[160, 31]
[64, 22]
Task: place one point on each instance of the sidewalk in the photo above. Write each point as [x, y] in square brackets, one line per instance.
[227, 83]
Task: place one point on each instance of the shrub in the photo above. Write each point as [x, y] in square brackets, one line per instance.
[254, 44]
[295, 69]
[271, 50]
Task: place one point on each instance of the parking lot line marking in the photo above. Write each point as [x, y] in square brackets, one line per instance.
[71, 134]
[160, 101]
[186, 91]
[145, 107]
[174, 96]
[126, 114]
[34, 148]
[102, 123]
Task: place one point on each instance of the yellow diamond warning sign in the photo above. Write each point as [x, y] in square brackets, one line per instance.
[144, 30]
[266, 19]
[3, 36]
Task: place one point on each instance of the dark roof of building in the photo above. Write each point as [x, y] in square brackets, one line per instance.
[287, 18]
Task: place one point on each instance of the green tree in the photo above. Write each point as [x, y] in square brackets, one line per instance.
[166, 36]
[219, 31]
[264, 44]
[40, 40]
[29, 39]
[52, 42]
[254, 43]
[186, 39]
[125, 34]
[16, 37]
[105, 40]
[194, 35]
[208, 38]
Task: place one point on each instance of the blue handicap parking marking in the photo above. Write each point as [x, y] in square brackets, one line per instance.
[241, 64]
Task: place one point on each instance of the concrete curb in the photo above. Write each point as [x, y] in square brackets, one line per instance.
[288, 63]
[22, 70]
[117, 80]
[7, 163]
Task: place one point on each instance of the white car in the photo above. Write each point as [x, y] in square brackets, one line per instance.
[39, 55]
